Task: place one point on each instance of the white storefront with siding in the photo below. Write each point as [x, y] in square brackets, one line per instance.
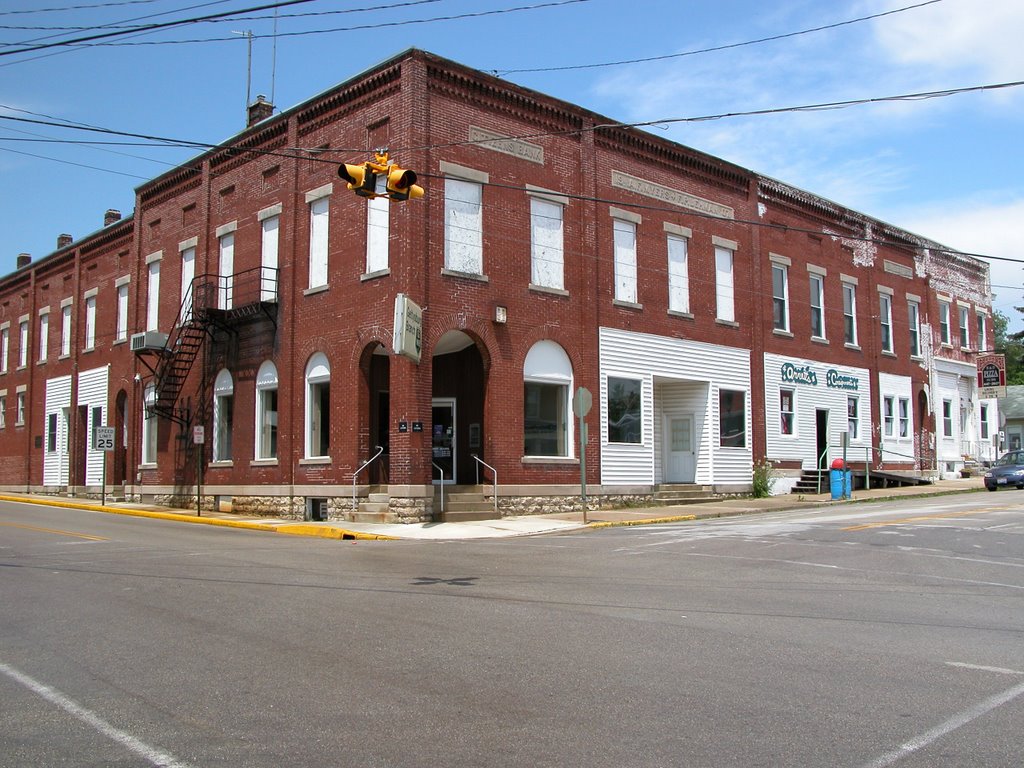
[826, 400]
[92, 396]
[676, 436]
[56, 461]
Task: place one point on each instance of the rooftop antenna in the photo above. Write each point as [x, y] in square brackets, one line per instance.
[247, 34]
[273, 61]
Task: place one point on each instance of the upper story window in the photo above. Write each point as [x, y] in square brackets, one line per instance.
[885, 321]
[944, 328]
[121, 328]
[90, 320]
[463, 219]
[982, 334]
[65, 327]
[547, 243]
[226, 270]
[965, 324]
[378, 230]
[270, 232]
[914, 321]
[817, 301]
[153, 291]
[23, 342]
[724, 284]
[319, 201]
[677, 241]
[5, 346]
[624, 234]
[850, 313]
[44, 334]
[187, 249]
[780, 297]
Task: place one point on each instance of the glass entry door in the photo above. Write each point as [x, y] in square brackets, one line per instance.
[442, 430]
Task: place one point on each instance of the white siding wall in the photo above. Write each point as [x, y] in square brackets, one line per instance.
[808, 399]
[92, 393]
[665, 360]
[895, 448]
[55, 463]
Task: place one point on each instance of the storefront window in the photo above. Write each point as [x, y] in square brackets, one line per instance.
[624, 423]
[786, 411]
[732, 419]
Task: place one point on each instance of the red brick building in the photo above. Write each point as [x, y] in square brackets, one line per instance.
[718, 318]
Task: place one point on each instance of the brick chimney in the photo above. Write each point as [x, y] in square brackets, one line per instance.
[63, 241]
[259, 110]
[24, 259]
[111, 216]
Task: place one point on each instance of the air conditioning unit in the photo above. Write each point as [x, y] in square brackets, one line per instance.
[155, 340]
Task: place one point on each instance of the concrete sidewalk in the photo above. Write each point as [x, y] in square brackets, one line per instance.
[509, 526]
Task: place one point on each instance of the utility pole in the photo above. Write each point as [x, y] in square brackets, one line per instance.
[247, 34]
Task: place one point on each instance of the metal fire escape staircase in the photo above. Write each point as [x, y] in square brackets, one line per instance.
[213, 303]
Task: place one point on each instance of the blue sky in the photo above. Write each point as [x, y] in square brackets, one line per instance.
[946, 168]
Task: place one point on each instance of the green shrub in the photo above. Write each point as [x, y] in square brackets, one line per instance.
[764, 479]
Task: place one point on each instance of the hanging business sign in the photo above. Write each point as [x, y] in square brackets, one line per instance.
[408, 330]
[991, 376]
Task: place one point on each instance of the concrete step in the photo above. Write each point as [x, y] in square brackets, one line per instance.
[454, 516]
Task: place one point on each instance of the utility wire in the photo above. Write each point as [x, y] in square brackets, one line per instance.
[125, 25]
[150, 27]
[356, 28]
[504, 72]
[76, 7]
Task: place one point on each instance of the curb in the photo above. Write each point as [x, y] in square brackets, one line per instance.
[296, 529]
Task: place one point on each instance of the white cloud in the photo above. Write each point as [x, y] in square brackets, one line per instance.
[977, 38]
[984, 227]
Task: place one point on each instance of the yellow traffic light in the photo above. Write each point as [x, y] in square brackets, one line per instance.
[360, 178]
[402, 184]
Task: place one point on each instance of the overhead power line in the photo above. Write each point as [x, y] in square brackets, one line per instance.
[74, 7]
[305, 33]
[136, 27]
[150, 27]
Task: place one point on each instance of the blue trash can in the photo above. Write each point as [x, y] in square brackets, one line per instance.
[841, 484]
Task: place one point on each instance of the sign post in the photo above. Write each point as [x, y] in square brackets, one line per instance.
[198, 439]
[581, 403]
[103, 440]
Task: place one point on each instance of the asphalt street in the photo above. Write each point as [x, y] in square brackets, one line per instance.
[863, 636]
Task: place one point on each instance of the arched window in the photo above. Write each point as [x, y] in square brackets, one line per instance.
[547, 388]
[318, 411]
[223, 415]
[149, 425]
[266, 411]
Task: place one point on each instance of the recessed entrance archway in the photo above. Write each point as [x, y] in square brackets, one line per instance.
[457, 408]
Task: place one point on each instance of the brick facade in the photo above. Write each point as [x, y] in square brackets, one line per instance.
[449, 122]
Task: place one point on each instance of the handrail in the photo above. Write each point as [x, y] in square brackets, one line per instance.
[355, 474]
[480, 461]
[438, 468]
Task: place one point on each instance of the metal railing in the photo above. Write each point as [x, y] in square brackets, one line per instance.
[441, 472]
[494, 472]
[368, 462]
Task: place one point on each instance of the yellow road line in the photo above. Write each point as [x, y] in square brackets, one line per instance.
[909, 520]
[55, 530]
